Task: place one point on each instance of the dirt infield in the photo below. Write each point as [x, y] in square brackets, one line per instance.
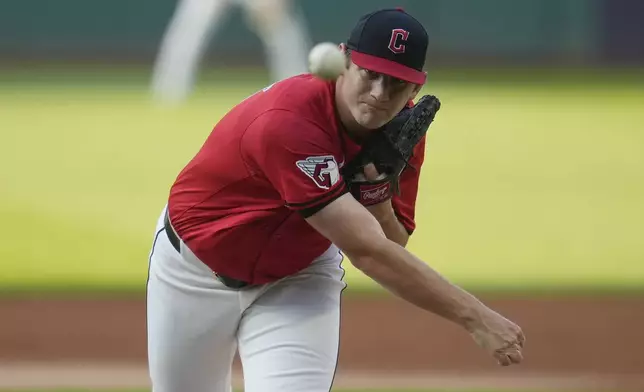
[590, 337]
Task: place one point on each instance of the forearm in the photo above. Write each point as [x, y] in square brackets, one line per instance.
[414, 281]
[394, 229]
[357, 233]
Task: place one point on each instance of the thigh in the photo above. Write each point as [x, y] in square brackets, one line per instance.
[191, 324]
[289, 337]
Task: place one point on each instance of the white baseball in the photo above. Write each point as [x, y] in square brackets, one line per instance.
[326, 61]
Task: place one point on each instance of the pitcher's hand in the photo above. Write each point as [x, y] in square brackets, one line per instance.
[499, 336]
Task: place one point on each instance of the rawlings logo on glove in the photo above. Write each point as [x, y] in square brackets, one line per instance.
[389, 150]
[375, 194]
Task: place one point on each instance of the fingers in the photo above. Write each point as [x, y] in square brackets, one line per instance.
[503, 359]
[521, 339]
[515, 355]
[371, 172]
[509, 356]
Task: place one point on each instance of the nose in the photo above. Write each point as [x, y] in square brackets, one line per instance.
[379, 89]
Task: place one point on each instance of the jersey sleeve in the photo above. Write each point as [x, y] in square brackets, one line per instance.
[405, 203]
[297, 157]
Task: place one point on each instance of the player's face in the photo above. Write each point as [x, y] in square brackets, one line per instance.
[374, 98]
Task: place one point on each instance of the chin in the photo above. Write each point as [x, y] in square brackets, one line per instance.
[370, 120]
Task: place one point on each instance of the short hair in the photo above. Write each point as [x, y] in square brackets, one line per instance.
[347, 56]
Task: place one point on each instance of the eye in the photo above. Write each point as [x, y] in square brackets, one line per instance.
[370, 74]
[395, 82]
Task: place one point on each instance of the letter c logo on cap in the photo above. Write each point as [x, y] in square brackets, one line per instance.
[395, 42]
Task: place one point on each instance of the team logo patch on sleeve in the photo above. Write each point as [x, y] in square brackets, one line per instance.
[323, 170]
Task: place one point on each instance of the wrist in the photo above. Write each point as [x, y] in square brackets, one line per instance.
[470, 317]
[388, 218]
[383, 212]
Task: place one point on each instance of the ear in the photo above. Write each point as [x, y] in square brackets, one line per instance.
[417, 88]
[343, 48]
[415, 91]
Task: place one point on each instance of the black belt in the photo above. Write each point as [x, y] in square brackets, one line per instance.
[176, 244]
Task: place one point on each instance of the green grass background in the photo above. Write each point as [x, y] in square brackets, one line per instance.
[532, 181]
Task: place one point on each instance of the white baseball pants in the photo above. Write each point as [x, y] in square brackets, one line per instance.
[287, 332]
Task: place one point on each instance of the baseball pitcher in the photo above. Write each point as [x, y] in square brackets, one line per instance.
[248, 250]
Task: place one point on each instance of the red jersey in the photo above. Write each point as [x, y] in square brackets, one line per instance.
[240, 204]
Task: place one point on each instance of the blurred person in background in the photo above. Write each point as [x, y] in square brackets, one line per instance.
[277, 23]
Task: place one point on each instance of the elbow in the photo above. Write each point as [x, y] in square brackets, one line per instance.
[365, 258]
[364, 249]
[364, 263]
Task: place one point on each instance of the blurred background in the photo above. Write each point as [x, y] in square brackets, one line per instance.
[531, 195]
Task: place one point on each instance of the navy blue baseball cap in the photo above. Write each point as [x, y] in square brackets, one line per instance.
[391, 42]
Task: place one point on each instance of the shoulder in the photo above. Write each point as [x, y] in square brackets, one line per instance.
[306, 95]
[286, 122]
[303, 85]
[286, 129]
